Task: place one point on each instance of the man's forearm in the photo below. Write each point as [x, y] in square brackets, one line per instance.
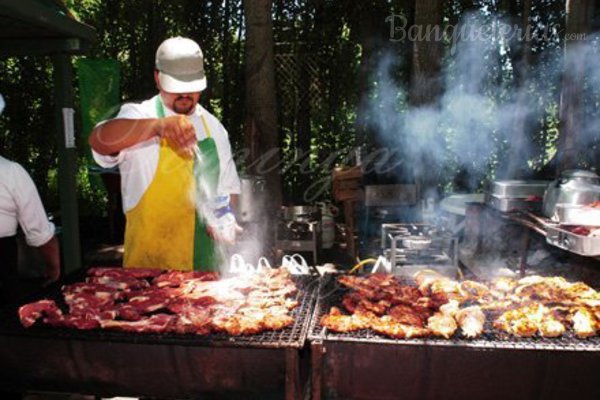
[118, 134]
[50, 252]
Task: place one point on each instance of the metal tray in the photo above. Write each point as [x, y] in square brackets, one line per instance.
[508, 204]
[578, 244]
[519, 188]
[573, 214]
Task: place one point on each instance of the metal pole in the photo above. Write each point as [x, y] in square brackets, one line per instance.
[67, 162]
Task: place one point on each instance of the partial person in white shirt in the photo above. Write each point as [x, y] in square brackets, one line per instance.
[175, 162]
[20, 205]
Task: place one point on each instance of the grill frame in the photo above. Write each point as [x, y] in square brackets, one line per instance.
[368, 365]
[330, 294]
[111, 363]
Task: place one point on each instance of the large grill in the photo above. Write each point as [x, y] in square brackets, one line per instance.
[111, 363]
[290, 337]
[364, 364]
[331, 294]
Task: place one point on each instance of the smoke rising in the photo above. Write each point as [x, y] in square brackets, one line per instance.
[481, 124]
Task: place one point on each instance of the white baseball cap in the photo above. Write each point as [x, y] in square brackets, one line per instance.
[180, 66]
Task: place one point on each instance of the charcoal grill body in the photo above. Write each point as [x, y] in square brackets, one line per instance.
[365, 365]
[108, 364]
[146, 370]
[346, 370]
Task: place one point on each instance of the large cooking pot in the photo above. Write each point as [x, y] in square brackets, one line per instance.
[573, 187]
[252, 198]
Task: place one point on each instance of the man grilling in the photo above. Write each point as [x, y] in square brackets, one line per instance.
[175, 162]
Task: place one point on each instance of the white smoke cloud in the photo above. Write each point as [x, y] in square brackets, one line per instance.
[480, 113]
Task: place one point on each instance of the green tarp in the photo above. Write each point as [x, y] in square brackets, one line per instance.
[99, 93]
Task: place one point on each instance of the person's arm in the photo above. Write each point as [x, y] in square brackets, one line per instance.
[115, 135]
[39, 232]
[50, 252]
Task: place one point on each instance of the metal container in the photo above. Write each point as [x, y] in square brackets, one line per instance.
[578, 244]
[573, 214]
[300, 213]
[252, 198]
[519, 188]
[573, 187]
[508, 204]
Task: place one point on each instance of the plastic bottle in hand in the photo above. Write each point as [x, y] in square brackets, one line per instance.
[224, 221]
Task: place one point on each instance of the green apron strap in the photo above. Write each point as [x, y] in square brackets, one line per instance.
[205, 255]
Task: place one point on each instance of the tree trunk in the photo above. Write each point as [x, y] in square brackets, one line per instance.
[579, 16]
[427, 55]
[516, 165]
[262, 136]
[367, 18]
[425, 85]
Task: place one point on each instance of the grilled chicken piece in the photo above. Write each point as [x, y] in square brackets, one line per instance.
[407, 315]
[502, 285]
[528, 320]
[391, 327]
[584, 322]
[471, 320]
[425, 275]
[551, 328]
[472, 290]
[338, 322]
[450, 308]
[442, 325]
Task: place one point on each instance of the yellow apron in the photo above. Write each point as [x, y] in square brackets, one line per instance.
[163, 230]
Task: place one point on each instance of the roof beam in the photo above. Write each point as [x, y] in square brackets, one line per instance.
[33, 12]
[41, 47]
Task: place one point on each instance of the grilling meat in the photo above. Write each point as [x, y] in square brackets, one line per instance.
[338, 322]
[389, 326]
[442, 325]
[438, 306]
[584, 322]
[140, 300]
[471, 321]
[529, 320]
[30, 313]
[407, 315]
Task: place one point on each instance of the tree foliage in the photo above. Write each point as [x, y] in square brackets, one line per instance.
[341, 41]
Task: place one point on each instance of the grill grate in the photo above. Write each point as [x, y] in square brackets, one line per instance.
[290, 337]
[331, 293]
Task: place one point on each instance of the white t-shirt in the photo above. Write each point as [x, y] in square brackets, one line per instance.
[138, 163]
[20, 204]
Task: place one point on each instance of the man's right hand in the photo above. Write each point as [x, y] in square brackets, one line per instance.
[180, 133]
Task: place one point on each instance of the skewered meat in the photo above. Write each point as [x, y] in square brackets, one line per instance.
[471, 321]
